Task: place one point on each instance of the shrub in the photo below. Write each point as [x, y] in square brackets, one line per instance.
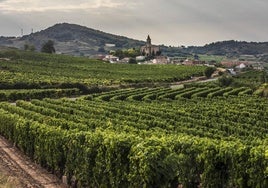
[225, 81]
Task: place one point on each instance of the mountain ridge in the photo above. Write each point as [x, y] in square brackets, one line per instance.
[79, 40]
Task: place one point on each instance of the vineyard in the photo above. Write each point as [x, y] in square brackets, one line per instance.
[161, 93]
[216, 142]
[28, 94]
[251, 78]
[24, 70]
[192, 135]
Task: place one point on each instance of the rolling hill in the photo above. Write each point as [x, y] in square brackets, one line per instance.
[231, 47]
[73, 39]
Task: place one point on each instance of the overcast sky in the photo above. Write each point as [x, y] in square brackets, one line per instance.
[169, 22]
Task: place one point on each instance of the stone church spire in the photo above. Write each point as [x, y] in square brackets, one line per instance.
[149, 40]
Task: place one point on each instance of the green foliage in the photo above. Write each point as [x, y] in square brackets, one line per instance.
[225, 80]
[231, 48]
[262, 91]
[251, 78]
[12, 54]
[126, 53]
[263, 77]
[234, 91]
[29, 68]
[48, 47]
[168, 94]
[140, 144]
[123, 138]
[219, 92]
[209, 71]
[211, 58]
[13, 95]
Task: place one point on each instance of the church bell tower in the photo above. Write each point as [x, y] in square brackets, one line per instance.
[149, 41]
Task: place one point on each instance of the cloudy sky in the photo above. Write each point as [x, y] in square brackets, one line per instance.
[169, 22]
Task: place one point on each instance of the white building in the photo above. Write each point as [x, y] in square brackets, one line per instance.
[111, 58]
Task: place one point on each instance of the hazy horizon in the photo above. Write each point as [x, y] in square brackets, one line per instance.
[173, 22]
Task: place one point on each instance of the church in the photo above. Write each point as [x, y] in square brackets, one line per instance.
[149, 49]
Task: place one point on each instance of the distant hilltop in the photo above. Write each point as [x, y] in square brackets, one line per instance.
[73, 39]
[231, 47]
[82, 41]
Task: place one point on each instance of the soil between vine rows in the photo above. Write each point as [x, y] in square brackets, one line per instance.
[20, 171]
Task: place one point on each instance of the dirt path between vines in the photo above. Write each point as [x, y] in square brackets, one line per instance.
[21, 171]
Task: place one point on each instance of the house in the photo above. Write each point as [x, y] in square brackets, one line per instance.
[140, 58]
[187, 62]
[99, 57]
[176, 60]
[231, 71]
[109, 45]
[161, 60]
[229, 64]
[232, 64]
[192, 62]
[124, 60]
[241, 66]
[111, 58]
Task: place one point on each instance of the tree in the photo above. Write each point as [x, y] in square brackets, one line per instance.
[209, 71]
[48, 47]
[225, 81]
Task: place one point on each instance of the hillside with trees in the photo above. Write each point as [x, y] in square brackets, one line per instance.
[231, 48]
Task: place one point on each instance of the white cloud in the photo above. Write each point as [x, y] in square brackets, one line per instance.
[188, 22]
[24, 6]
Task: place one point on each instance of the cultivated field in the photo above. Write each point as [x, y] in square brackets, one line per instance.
[198, 135]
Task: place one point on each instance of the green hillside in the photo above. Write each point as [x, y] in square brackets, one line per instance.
[231, 47]
[43, 70]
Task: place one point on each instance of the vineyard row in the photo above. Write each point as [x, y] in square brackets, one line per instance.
[214, 142]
